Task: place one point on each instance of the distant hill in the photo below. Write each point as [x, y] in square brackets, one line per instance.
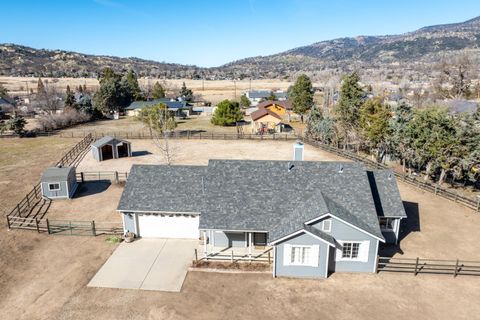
[380, 56]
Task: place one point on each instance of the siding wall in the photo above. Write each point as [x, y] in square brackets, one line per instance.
[302, 271]
[129, 222]
[227, 239]
[62, 193]
[343, 232]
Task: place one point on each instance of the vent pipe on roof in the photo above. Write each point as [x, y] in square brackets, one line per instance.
[290, 166]
[340, 170]
[298, 151]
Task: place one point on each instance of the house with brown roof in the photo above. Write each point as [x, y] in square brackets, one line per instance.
[265, 121]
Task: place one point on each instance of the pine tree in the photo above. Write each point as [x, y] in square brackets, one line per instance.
[40, 86]
[227, 113]
[158, 91]
[186, 93]
[70, 99]
[301, 95]
[16, 123]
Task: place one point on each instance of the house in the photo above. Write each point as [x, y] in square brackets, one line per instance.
[265, 121]
[255, 96]
[58, 183]
[110, 148]
[282, 108]
[317, 217]
[181, 108]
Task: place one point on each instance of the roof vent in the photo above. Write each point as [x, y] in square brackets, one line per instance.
[340, 169]
[390, 176]
[290, 166]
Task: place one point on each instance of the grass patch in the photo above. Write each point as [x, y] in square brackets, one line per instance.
[113, 239]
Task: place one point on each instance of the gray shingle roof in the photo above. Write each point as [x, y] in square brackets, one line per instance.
[56, 174]
[154, 188]
[385, 194]
[108, 140]
[323, 235]
[261, 195]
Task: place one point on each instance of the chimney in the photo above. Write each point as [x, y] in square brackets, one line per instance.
[298, 151]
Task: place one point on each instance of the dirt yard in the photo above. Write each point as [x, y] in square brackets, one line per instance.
[45, 277]
[96, 200]
[200, 151]
[22, 161]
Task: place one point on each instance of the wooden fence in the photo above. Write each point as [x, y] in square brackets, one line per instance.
[265, 257]
[469, 202]
[79, 149]
[65, 227]
[429, 266]
[113, 176]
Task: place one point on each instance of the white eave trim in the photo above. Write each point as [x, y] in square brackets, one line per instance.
[159, 212]
[236, 230]
[298, 232]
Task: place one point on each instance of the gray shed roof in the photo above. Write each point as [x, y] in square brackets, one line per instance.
[262, 195]
[108, 140]
[56, 174]
[156, 188]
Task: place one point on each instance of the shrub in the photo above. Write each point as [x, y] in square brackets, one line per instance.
[68, 118]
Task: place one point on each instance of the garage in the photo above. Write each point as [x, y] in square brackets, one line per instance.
[179, 226]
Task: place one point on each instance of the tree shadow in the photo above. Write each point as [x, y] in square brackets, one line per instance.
[408, 225]
[89, 188]
[140, 153]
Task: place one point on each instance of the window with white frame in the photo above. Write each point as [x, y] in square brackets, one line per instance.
[54, 186]
[350, 250]
[386, 224]
[300, 255]
[327, 225]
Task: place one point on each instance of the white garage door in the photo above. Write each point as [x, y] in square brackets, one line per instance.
[168, 226]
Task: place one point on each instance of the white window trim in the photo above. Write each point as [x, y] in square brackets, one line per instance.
[307, 263]
[363, 251]
[351, 259]
[329, 225]
[50, 183]
[394, 224]
[313, 257]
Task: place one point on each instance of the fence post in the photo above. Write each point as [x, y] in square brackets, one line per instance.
[82, 177]
[478, 203]
[269, 261]
[377, 263]
[116, 177]
[196, 256]
[8, 223]
[94, 231]
[416, 267]
[48, 226]
[18, 210]
[232, 255]
[36, 224]
[456, 269]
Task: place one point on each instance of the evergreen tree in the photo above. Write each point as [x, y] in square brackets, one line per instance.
[272, 96]
[227, 113]
[133, 87]
[374, 125]
[3, 91]
[114, 93]
[301, 95]
[244, 101]
[70, 99]
[80, 89]
[16, 123]
[158, 91]
[320, 128]
[186, 93]
[347, 110]
[402, 114]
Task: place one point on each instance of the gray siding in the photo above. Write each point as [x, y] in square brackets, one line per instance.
[96, 153]
[129, 222]
[302, 271]
[72, 183]
[343, 232]
[229, 239]
[62, 193]
[391, 236]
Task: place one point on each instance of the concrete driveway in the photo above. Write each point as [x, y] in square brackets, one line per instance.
[147, 264]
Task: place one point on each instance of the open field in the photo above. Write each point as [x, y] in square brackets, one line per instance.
[22, 162]
[45, 277]
[210, 90]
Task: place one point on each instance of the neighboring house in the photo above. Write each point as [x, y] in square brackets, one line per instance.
[181, 108]
[459, 106]
[265, 121]
[319, 217]
[58, 183]
[255, 96]
[283, 108]
[6, 104]
[110, 148]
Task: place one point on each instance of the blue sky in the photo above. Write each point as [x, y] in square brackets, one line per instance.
[212, 32]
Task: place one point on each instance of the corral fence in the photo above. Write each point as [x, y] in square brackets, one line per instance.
[77, 151]
[113, 176]
[416, 266]
[470, 202]
[66, 227]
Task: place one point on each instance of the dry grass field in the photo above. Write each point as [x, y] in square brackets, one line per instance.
[45, 277]
[211, 90]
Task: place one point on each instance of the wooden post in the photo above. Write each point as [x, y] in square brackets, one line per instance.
[269, 260]
[196, 256]
[94, 231]
[18, 210]
[116, 177]
[28, 199]
[478, 203]
[205, 244]
[376, 264]
[82, 177]
[416, 267]
[456, 269]
[231, 252]
[36, 224]
[48, 226]
[8, 223]
[250, 243]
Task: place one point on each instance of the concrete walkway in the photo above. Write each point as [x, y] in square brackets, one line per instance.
[147, 264]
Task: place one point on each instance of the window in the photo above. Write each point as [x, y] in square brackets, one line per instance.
[386, 223]
[300, 255]
[350, 250]
[327, 225]
[53, 186]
